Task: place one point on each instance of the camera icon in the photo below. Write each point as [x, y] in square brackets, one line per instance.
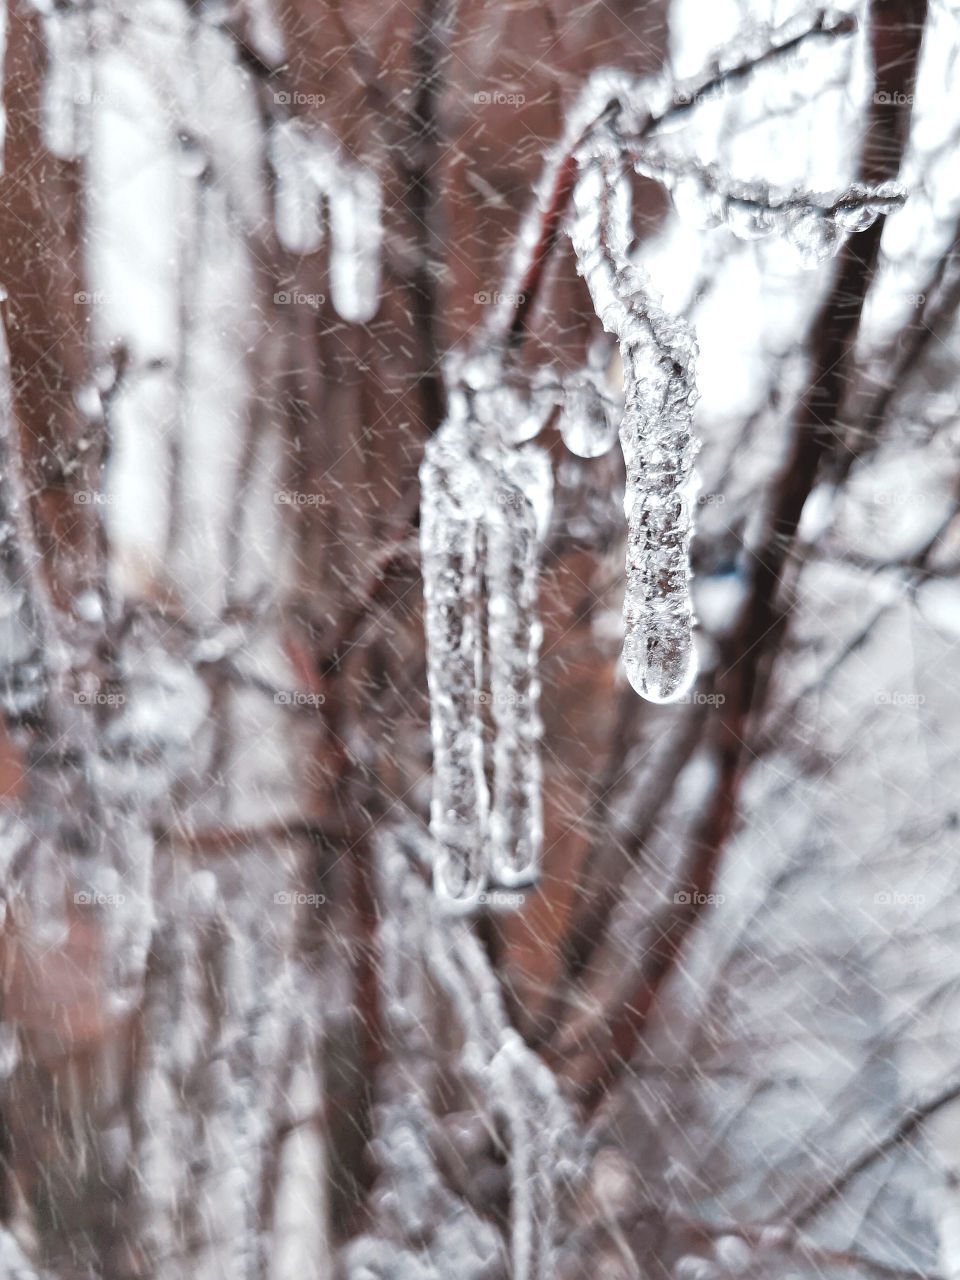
[282, 698]
[83, 899]
[482, 697]
[283, 899]
[282, 299]
[82, 499]
[282, 99]
[884, 898]
[682, 899]
[482, 298]
[82, 297]
[482, 98]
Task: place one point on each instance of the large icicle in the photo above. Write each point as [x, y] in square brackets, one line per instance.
[524, 497]
[452, 511]
[656, 436]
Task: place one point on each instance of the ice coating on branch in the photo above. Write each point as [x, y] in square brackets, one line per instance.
[656, 436]
[297, 196]
[526, 1092]
[524, 499]
[451, 541]
[511, 1083]
[68, 87]
[813, 224]
[355, 233]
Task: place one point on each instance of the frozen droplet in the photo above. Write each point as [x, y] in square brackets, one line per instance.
[854, 220]
[814, 238]
[749, 221]
[587, 423]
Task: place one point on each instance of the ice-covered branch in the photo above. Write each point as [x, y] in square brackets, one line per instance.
[656, 435]
[641, 107]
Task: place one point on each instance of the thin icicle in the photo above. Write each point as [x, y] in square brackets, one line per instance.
[513, 562]
[297, 207]
[450, 535]
[356, 233]
[656, 436]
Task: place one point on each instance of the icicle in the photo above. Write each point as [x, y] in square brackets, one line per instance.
[657, 442]
[355, 230]
[524, 497]
[297, 198]
[450, 539]
[655, 435]
[67, 90]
